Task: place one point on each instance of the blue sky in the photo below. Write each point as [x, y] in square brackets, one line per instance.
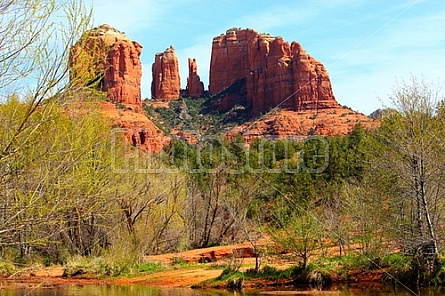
[366, 46]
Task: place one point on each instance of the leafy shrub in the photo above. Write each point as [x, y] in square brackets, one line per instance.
[309, 275]
[178, 261]
[439, 276]
[228, 273]
[148, 267]
[6, 268]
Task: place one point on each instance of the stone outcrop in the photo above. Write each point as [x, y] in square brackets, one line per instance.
[271, 72]
[136, 128]
[299, 125]
[195, 87]
[107, 59]
[211, 254]
[166, 84]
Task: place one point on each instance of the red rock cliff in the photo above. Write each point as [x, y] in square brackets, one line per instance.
[275, 73]
[166, 83]
[195, 87]
[108, 59]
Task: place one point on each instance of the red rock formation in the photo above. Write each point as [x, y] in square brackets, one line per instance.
[110, 60]
[195, 88]
[138, 130]
[184, 136]
[298, 125]
[166, 83]
[276, 73]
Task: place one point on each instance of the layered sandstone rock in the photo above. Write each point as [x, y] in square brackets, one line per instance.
[109, 60]
[274, 72]
[299, 125]
[136, 128]
[195, 87]
[166, 84]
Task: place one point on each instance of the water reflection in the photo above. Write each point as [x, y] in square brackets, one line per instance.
[139, 290]
[105, 290]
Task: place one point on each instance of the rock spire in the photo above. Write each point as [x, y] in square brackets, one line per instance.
[166, 84]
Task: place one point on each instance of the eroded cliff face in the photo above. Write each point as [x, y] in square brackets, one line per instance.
[135, 127]
[166, 84]
[282, 124]
[107, 60]
[274, 72]
[195, 87]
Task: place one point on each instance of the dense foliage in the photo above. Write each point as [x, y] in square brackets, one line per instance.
[71, 188]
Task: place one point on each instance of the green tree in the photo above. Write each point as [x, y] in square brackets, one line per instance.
[55, 188]
[298, 232]
[35, 42]
[410, 152]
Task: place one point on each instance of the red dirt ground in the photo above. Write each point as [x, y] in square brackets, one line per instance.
[179, 277]
[174, 276]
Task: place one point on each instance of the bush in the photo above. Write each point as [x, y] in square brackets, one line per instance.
[228, 273]
[148, 267]
[178, 261]
[439, 276]
[309, 275]
[6, 268]
[113, 263]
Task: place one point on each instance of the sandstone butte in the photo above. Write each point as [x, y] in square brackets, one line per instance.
[276, 73]
[267, 73]
[166, 84]
[195, 87]
[108, 60]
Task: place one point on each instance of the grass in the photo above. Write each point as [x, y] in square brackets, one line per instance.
[228, 274]
[268, 274]
[148, 268]
[342, 264]
[100, 267]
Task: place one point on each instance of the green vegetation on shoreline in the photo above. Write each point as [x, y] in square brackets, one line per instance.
[75, 194]
[351, 190]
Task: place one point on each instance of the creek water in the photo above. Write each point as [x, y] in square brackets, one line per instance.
[139, 290]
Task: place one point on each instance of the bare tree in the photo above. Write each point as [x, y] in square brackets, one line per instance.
[411, 154]
[35, 41]
[34, 57]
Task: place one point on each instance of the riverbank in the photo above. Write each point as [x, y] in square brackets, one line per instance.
[197, 276]
[200, 268]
